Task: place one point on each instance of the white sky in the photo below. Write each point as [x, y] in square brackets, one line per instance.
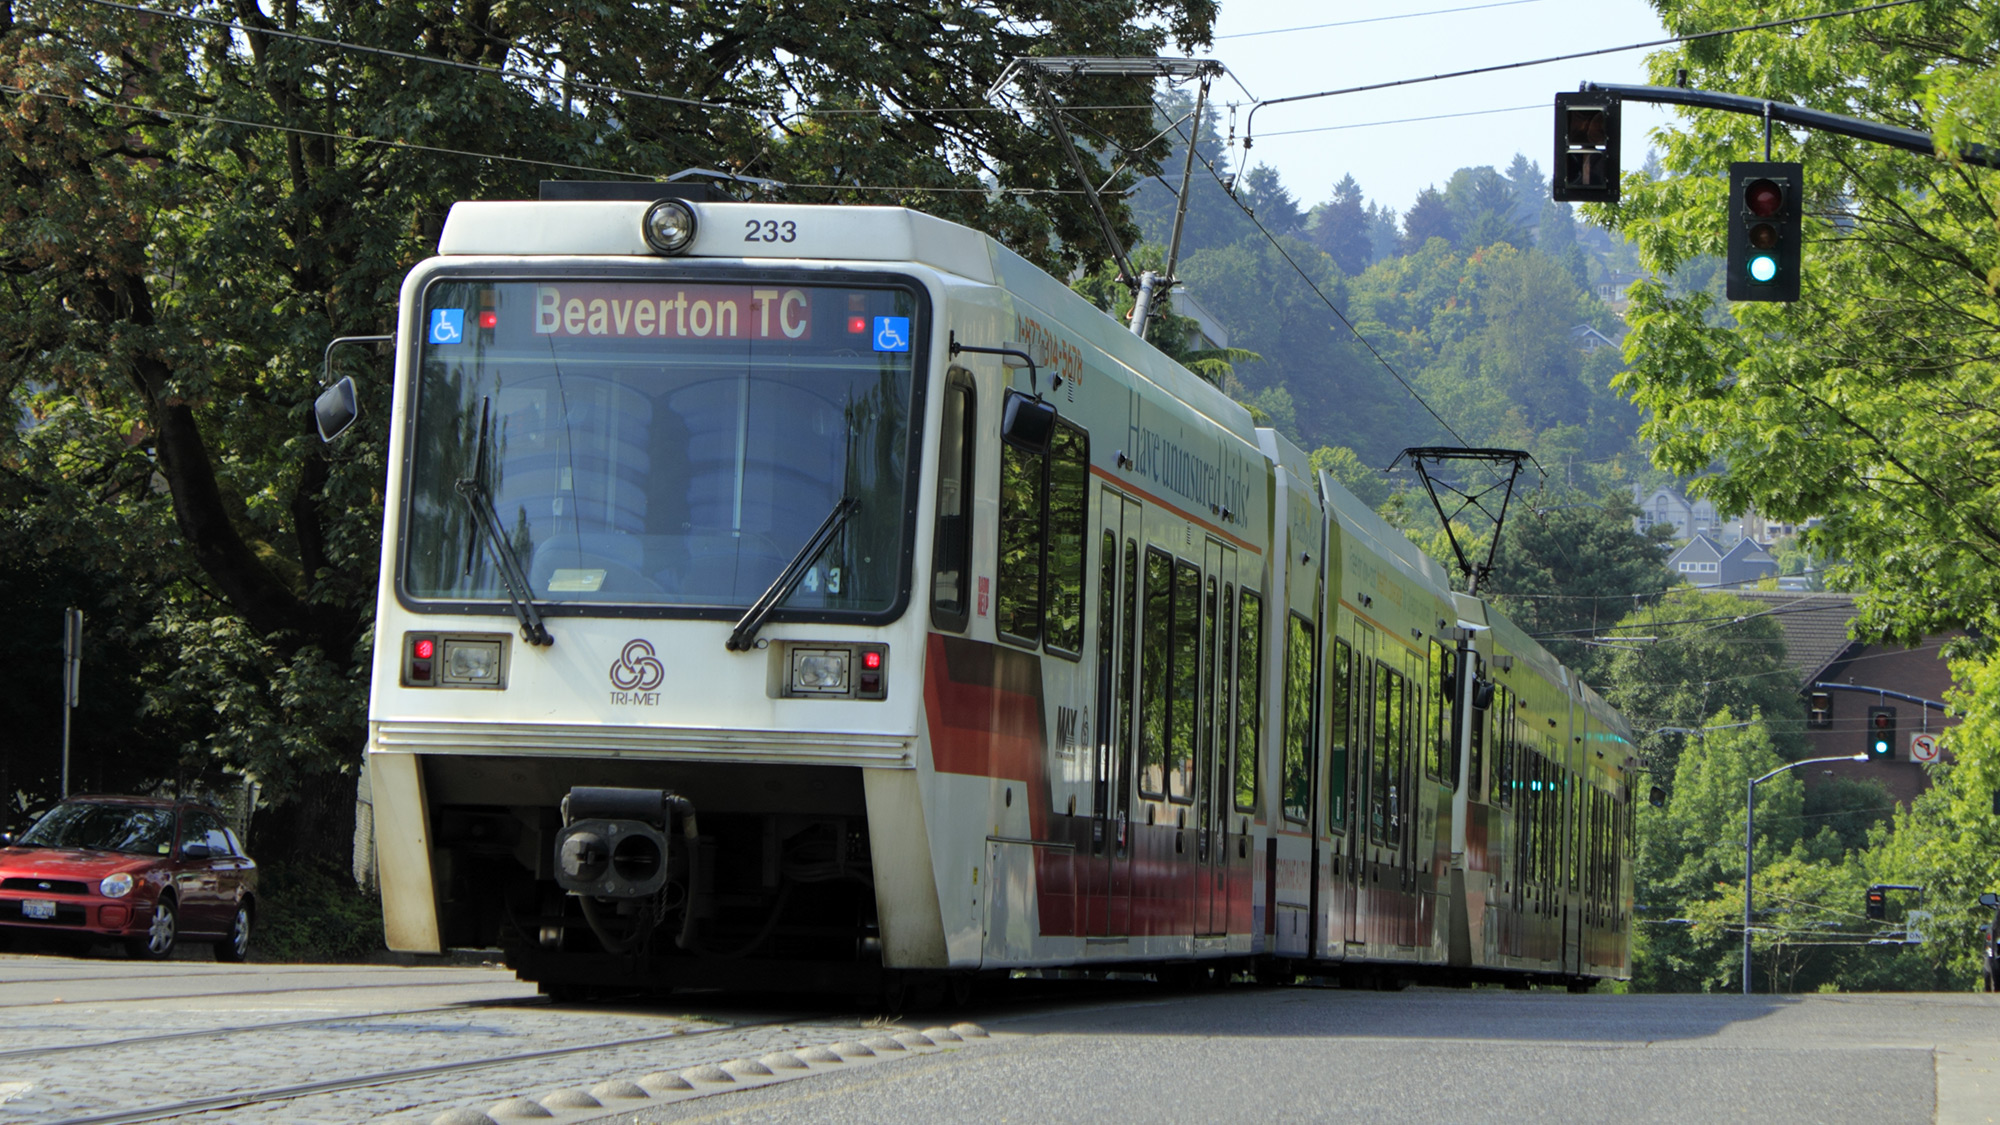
[1394, 162]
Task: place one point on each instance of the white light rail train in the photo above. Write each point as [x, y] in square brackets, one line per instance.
[788, 596]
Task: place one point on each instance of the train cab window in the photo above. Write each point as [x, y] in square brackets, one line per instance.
[1339, 733]
[1068, 499]
[1157, 629]
[1249, 696]
[1185, 715]
[1038, 590]
[951, 567]
[1300, 660]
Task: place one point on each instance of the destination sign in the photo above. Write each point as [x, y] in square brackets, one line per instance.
[724, 312]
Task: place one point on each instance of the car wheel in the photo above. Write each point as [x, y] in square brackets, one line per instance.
[160, 938]
[236, 946]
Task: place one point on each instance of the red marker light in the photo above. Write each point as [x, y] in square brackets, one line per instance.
[489, 319]
[857, 325]
[871, 660]
[424, 649]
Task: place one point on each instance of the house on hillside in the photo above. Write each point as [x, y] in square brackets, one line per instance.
[1704, 561]
[1588, 339]
[1670, 507]
[1818, 649]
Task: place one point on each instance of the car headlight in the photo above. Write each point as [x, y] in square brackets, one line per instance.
[115, 886]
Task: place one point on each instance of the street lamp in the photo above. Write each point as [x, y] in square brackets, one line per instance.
[1750, 843]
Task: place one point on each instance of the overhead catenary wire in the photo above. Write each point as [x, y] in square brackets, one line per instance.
[1409, 120]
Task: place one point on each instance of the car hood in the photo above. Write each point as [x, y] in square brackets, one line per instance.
[69, 863]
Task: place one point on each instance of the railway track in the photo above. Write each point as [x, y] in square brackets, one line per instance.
[246, 1098]
[245, 1029]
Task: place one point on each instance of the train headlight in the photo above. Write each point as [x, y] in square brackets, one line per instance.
[472, 662]
[669, 226]
[819, 671]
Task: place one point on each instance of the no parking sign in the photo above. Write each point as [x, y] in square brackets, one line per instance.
[1923, 748]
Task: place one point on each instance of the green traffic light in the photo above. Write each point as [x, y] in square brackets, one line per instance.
[1763, 268]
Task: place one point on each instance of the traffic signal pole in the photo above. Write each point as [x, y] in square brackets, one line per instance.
[1891, 135]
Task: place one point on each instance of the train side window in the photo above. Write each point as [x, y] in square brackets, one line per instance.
[1154, 669]
[1249, 696]
[952, 560]
[1296, 782]
[1441, 763]
[1381, 783]
[1339, 733]
[1018, 583]
[1107, 671]
[1127, 635]
[1186, 713]
[1476, 757]
[1501, 716]
[1068, 498]
[1399, 750]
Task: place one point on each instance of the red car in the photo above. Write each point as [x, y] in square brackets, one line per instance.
[149, 872]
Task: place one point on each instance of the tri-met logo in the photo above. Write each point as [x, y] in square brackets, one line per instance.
[635, 675]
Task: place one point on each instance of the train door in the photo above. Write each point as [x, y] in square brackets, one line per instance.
[1212, 799]
[1341, 788]
[1415, 796]
[1111, 805]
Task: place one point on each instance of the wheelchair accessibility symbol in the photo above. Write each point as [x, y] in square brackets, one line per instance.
[447, 326]
[892, 333]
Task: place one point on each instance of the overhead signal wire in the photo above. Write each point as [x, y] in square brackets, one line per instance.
[1375, 19]
[1251, 121]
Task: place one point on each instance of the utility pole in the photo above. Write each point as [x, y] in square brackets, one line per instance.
[72, 649]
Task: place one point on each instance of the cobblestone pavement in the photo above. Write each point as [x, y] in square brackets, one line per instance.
[212, 1030]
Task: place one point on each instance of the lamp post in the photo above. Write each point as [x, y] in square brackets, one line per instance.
[1750, 842]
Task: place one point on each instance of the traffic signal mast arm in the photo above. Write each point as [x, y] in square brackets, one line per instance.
[1891, 135]
[1919, 700]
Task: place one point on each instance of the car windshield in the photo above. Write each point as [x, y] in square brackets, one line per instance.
[132, 829]
[661, 443]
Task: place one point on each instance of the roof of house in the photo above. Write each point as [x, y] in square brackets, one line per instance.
[1814, 624]
[1698, 547]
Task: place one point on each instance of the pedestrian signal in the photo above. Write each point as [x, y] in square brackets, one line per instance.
[1766, 224]
[1819, 711]
[1878, 903]
[1586, 161]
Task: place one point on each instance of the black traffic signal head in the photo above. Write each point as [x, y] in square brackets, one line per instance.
[1878, 903]
[1766, 230]
[1881, 733]
[1586, 164]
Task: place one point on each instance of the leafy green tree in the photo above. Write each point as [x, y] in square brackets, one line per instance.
[189, 212]
[1268, 198]
[1482, 204]
[1345, 466]
[1340, 226]
[1429, 217]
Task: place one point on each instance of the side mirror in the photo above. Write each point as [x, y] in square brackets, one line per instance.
[1028, 422]
[197, 851]
[6, 839]
[1988, 900]
[1657, 798]
[335, 409]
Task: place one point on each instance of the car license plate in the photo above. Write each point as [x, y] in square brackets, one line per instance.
[38, 908]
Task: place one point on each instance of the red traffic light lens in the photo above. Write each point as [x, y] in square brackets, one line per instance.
[424, 649]
[1763, 197]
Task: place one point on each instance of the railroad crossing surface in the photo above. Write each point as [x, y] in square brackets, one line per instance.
[103, 1040]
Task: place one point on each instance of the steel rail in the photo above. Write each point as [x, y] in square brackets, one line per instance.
[385, 1078]
[252, 992]
[359, 1017]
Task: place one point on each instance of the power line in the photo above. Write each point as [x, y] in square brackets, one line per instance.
[219, 120]
[1375, 19]
[1408, 120]
[554, 81]
[1195, 148]
[1249, 125]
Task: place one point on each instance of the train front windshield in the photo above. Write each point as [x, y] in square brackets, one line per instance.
[669, 444]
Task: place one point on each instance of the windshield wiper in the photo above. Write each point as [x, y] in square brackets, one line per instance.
[512, 577]
[745, 633]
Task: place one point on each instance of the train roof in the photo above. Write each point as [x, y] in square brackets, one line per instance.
[832, 232]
